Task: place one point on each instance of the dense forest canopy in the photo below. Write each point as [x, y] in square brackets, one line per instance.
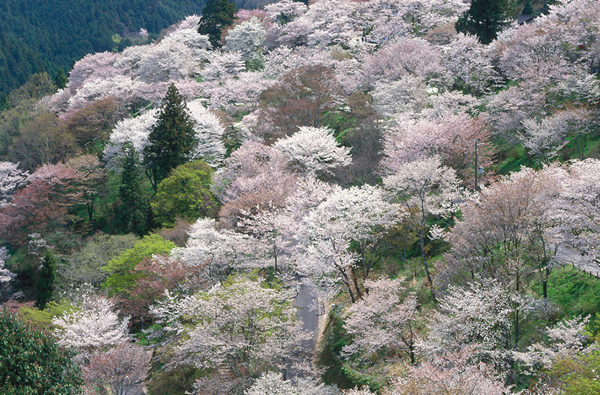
[47, 36]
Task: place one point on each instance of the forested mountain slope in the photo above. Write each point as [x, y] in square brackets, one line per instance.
[425, 180]
[48, 35]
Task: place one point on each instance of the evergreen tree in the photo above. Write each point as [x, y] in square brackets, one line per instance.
[45, 282]
[31, 362]
[528, 9]
[485, 18]
[171, 140]
[61, 79]
[133, 211]
[216, 15]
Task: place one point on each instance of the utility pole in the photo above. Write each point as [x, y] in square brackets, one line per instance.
[476, 164]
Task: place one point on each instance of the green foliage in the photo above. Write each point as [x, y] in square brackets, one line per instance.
[185, 194]
[172, 138]
[85, 265]
[54, 34]
[575, 292]
[133, 213]
[328, 357]
[485, 19]
[216, 15]
[177, 380]
[578, 375]
[45, 281]
[43, 318]
[121, 269]
[32, 363]
[528, 9]
[61, 79]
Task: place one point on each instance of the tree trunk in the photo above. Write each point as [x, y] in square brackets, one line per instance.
[422, 243]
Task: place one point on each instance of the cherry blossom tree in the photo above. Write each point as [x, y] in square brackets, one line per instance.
[452, 138]
[220, 249]
[274, 384]
[134, 131]
[357, 214]
[578, 208]
[123, 369]
[209, 133]
[324, 23]
[93, 326]
[468, 65]
[242, 326]
[451, 373]
[484, 314]
[426, 189]
[405, 95]
[508, 233]
[166, 61]
[313, 150]
[545, 138]
[42, 205]
[11, 180]
[407, 57]
[383, 320]
[254, 177]
[5, 274]
[99, 65]
[566, 340]
[247, 38]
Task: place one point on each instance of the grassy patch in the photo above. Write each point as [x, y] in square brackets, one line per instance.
[573, 291]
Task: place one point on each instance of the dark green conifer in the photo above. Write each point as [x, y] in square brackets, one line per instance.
[133, 211]
[216, 15]
[61, 79]
[171, 140]
[485, 19]
[45, 281]
[528, 9]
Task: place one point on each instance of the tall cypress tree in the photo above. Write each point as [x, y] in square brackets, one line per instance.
[216, 15]
[133, 211]
[45, 281]
[171, 140]
[486, 18]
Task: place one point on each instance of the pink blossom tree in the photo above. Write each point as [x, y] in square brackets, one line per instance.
[425, 188]
[357, 214]
[122, 369]
[242, 326]
[383, 320]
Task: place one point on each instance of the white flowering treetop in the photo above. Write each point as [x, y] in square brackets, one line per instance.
[95, 326]
[247, 38]
[313, 150]
[484, 314]
[383, 320]
[578, 207]
[222, 249]
[242, 325]
[425, 189]
[5, 274]
[272, 383]
[359, 214]
[11, 179]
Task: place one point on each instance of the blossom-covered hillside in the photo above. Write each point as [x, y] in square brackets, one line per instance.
[432, 199]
